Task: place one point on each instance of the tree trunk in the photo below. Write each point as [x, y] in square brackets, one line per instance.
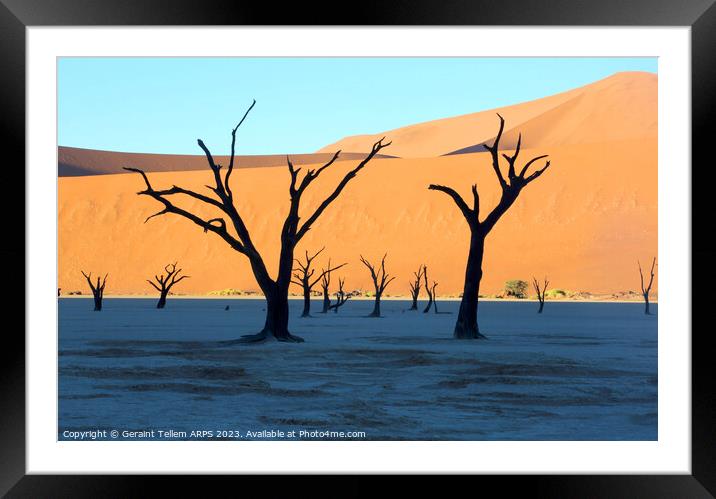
[646, 303]
[415, 303]
[162, 300]
[306, 303]
[97, 302]
[430, 304]
[376, 307]
[326, 301]
[276, 294]
[541, 306]
[277, 317]
[466, 325]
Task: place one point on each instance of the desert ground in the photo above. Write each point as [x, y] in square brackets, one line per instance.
[584, 224]
[579, 371]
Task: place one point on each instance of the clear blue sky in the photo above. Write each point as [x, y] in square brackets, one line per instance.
[162, 105]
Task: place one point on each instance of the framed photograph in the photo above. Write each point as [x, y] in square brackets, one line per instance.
[457, 246]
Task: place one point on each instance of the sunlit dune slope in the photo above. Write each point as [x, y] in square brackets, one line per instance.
[584, 223]
[620, 107]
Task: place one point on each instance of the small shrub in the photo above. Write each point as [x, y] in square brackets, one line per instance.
[556, 293]
[226, 292]
[516, 288]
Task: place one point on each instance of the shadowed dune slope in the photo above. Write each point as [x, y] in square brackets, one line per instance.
[620, 107]
[73, 161]
[584, 223]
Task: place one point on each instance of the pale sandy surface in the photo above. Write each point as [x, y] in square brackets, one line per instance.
[580, 371]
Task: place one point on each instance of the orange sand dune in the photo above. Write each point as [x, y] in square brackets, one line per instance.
[73, 161]
[584, 223]
[620, 107]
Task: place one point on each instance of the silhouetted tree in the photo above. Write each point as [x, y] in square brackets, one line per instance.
[466, 325]
[97, 289]
[274, 290]
[435, 296]
[645, 290]
[165, 283]
[303, 277]
[540, 292]
[325, 286]
[380, 282]
[427, 290]
[415, 287]
[341, 296]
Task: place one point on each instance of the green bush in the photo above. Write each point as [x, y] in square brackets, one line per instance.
[556, 293]
[516, 288]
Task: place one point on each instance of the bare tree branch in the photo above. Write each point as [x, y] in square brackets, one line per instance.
[647, 289]
[475, 202]
[169, 207]
[495, 153]
[380, 277]
[529, 163]
[511, 159]
[325, 273]
[233, 144]
[330, 162]
[219, 189]
[341, 297]
[416, 285]
[195, 195]
[294, 174]
[537, 173]
[307, 224]
[466, 211]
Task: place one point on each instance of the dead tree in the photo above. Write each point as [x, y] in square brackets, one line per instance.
[380, 282]
[415, 286]
[540, 292]
[97, 289]
[429, 291]
[304, 277]
[645, 290]
[466, 325]
[237, 235]
[341, 297]
[165, 283]
[325, 286]
[435, 297]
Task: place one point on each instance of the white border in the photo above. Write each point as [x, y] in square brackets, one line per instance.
[670, 454]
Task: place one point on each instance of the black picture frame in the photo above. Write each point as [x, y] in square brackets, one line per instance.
[700, 15]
